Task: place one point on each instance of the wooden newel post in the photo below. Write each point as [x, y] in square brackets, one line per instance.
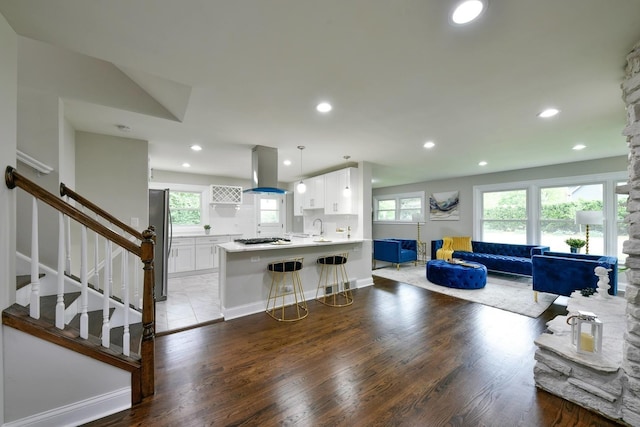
[148, 315]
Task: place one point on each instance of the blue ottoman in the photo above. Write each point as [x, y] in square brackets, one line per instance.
[458, 276]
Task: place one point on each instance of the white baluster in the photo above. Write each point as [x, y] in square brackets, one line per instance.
[136, 285]
[34, 303]
[108, 278]
[67, 267]
[96, 260]
[126, 341]
[61, 263]
[109, 261]
[84, 296]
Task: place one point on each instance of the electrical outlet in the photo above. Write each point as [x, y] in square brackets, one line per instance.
[135, 222]
[255, 259]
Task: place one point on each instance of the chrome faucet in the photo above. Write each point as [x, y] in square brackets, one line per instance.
[321, 229]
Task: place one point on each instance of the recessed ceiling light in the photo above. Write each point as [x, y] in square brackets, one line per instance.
[579, 147]
[429, 144]
[186, 165]
[467, 11]
[482, 163]
[324, 107]
[287, 162]
[549, 112]
[196, 147]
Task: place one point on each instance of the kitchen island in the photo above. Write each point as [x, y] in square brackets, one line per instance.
[245, 281]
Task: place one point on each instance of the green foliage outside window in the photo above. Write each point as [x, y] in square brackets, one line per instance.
[555, 218]
[185, 207]
[387, 210]
[409, 207]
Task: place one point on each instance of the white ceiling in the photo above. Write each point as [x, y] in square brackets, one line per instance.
[249, 72]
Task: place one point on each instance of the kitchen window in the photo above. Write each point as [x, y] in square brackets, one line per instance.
[185, 207]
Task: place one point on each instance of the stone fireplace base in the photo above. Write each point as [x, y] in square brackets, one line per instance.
[594, 381]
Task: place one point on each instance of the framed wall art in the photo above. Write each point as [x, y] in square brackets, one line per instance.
[444, 206]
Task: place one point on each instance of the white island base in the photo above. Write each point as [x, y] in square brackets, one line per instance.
[245, 280]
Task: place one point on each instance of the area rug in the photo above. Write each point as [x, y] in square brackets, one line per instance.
[503, 291]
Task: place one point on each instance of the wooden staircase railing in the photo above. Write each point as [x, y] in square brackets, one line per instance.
[143, 382]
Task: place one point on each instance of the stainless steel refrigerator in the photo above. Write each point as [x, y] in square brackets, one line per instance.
[160, 218]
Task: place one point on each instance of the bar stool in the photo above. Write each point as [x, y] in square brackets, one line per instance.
[333, 286]
[286, 301]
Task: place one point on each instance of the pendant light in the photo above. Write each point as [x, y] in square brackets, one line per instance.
[301, 185]
[347, 191]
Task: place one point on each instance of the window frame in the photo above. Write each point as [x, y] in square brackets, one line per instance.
[398, 197]
[533, 187]
[191, 188]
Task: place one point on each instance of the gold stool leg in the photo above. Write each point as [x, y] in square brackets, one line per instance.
[277, 299]
[334, 282]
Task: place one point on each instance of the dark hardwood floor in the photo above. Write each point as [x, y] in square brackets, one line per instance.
[399, 356]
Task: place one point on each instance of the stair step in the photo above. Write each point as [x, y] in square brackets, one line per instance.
[48, 304]
[24, 280]
[92, 286]
[135, 336]
[95, 322]
[17, 316]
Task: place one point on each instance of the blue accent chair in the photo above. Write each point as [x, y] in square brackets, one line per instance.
[395, 251]
[562, 273]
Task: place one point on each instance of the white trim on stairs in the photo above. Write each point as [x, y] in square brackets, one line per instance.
[79, 412]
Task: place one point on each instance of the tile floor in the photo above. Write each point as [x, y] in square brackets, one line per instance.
[191, 300]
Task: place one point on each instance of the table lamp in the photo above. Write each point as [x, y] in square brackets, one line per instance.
[588, 218]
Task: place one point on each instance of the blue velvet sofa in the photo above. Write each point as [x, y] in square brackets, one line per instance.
[502, 257]
[562, 273]
[395, 251]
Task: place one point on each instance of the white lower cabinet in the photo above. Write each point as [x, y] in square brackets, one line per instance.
[181, 257]
[193, 254]
[207, 251]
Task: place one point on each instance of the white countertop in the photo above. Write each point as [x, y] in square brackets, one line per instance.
[201, 234]
[296, 242]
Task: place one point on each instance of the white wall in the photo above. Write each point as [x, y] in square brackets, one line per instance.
[112, 173]
[436, 229]
[224, 219]
[68, 377]
[38, 136]
[8, 132]
[67, 150]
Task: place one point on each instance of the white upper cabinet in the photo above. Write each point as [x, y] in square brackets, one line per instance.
[336, 201]
[298, 203]
[314, 196]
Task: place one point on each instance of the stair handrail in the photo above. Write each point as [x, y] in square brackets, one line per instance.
[146, 385]
[66, 191]
[14, 179]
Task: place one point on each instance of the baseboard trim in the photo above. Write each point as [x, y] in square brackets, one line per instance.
[81, 412]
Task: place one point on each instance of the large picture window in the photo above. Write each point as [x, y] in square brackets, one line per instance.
[558, 206]
[399, 207]
[543, 212]
[504, 216]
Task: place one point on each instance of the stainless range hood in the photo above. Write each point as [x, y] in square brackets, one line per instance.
[264, 171]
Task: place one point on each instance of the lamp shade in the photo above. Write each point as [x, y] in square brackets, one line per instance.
[417, 218]
[589, 217]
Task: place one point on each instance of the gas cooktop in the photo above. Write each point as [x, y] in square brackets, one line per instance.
[260, 240]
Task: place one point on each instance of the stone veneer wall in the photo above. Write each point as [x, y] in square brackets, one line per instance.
[609, 384]
[631, 351]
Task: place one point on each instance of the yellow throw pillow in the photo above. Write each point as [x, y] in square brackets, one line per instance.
[462, 244]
